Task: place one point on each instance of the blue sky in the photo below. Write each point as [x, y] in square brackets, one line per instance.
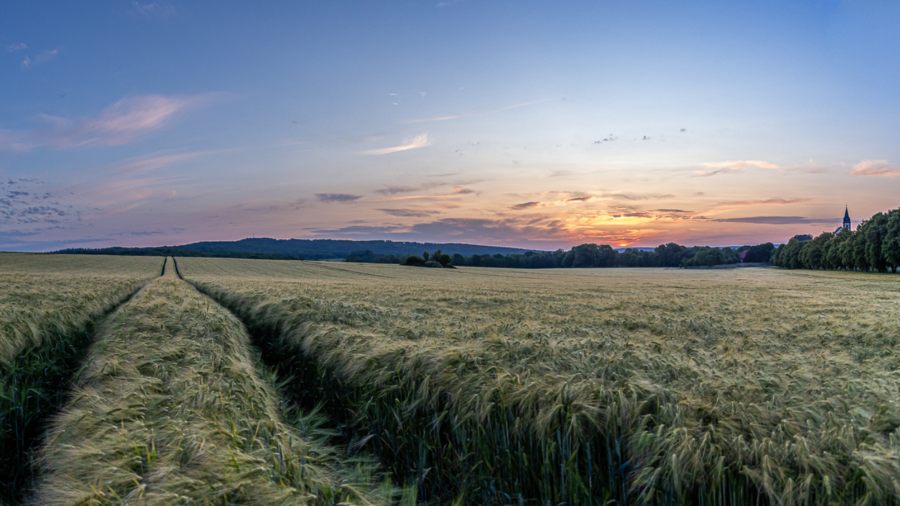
[535, 124]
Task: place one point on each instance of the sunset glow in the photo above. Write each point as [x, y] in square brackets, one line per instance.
[507, 123]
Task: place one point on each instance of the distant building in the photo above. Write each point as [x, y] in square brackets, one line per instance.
[846, 224]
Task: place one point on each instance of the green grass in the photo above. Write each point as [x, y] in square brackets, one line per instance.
[649, 386]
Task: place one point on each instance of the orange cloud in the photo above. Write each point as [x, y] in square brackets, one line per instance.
[874, 168]
[560, 202]
[725, 207]
[764, 202]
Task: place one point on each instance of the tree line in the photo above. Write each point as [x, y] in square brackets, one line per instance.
[587, 255]
[873, 246]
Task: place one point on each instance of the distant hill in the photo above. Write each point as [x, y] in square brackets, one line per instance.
[309, 249]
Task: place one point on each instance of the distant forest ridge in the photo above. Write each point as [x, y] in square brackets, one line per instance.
[308, 249]
[446, 254]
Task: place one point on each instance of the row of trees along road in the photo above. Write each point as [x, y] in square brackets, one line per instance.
[873, 246]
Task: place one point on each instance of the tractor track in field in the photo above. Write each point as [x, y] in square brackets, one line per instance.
[68, 449]
[24, 432]
[301, 384]
[177, 272]
[204, 417]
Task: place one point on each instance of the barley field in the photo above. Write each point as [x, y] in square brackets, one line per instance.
[137, 380]
[48, 306]
[122, 384]
[651, 386]
[41, 293]
[171, 409]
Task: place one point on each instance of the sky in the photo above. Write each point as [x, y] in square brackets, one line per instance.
[532, 124]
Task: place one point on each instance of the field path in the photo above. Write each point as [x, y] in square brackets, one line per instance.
[170, 408]
[578, 386]
[50, 306]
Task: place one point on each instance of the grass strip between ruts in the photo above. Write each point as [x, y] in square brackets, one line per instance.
[170, 408]
[49, 307]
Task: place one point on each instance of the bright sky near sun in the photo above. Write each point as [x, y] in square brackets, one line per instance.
[521, 123]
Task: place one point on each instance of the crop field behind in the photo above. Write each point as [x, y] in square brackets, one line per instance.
[125, 385]
[171, 409]
[42, 291]
[581, 386]
[285, 382]
[48, 305]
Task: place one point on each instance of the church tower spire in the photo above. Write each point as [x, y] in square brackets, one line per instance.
[846, 218]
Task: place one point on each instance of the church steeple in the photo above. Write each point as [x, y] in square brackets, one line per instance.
[846, 218]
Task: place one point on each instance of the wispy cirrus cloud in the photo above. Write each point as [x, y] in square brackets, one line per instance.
[553, 203]
[359, 230]
[419, 141]
[337, 197]
[640, 196]
[875, 168]
[775, 220]
[590, 198]
[154, 9]
[456, 189]
[40, 58]
[12, 48]
[473, 114]
[456, 192]
[726, 167]
[423, 197]
[409, 213]
[128, 118]
[727, 206]
[810, 167]
[122, 195]
[267, 206]
[156, 160]
[395, 189]
[120, 123]
[149, 232]
[763, 202]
